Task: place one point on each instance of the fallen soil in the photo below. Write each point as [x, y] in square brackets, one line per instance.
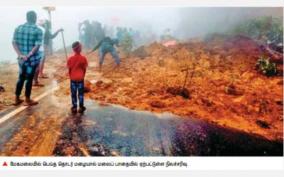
[222, 85]
[36, 137]
[38, 134]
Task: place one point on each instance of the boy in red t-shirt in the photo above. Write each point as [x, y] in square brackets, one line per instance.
[77, 65]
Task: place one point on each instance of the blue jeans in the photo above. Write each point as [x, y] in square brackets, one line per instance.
[26, 74]
[113, 53]
[77, 91]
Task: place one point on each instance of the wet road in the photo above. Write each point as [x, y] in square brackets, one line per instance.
[115, 130]
[112, 130]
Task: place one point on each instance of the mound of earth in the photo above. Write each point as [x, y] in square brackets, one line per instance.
[222, 84]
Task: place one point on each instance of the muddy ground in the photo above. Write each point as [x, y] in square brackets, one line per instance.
[9, 76]
[222, 87]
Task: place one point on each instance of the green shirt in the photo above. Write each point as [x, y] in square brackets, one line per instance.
[106, 44]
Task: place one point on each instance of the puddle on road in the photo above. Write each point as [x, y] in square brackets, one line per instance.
[114, 130]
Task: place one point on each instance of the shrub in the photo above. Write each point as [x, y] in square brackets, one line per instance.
[265, 66]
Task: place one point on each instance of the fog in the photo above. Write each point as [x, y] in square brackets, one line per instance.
[197, 22]
[184, 22]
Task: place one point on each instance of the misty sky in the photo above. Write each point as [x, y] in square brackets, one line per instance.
[184, 22]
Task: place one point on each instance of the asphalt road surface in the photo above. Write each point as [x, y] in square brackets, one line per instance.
[49, 129]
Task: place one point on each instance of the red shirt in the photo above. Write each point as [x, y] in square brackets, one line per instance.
[77, 65]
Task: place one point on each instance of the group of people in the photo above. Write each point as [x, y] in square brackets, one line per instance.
[129, 36]
[93, 35]
[90, 33]
[31, 41]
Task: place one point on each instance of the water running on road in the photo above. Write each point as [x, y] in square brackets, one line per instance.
[115, 130]
[110, 130]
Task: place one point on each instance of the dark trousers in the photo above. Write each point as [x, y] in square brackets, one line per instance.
[77, 91]
[113, 53]
[26, 74]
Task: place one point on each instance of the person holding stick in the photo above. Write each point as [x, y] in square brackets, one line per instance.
[47, 37]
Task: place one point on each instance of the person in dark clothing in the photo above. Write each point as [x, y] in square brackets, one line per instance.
[98, 33]
[106, 45]
[27, 39]
[86, 32]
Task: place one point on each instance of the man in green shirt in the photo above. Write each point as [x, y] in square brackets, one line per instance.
[106, 45]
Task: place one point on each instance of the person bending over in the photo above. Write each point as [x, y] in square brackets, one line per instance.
[106, 45]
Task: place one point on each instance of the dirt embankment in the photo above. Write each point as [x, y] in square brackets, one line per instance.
[222, 84]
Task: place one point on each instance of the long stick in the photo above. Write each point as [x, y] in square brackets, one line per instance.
[63, 40]
[185, 79]
[192, 73]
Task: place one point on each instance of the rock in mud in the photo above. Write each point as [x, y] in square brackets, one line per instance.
[183, 92]
[157, 104]
[99, 83]
[2, 89]
[262, 124]
[207, 102]
[279, 102]
[232, 90]
[99, 150]
[140, 52]
[161, 63]
[87, 86]
[105, 83]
